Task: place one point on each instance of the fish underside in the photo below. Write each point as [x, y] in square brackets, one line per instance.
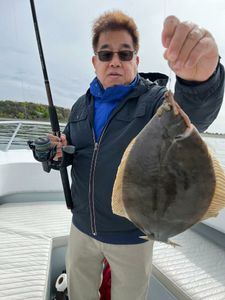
[168, 181]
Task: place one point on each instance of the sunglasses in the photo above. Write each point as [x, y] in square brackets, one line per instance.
[124, 55]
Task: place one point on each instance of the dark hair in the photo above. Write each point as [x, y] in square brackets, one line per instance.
[115, 20]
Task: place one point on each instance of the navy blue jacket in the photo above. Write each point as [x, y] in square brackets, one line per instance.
[94, 164]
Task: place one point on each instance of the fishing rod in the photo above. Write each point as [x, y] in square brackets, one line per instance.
[42, 149]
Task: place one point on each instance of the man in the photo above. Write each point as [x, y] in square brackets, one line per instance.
[117, 106]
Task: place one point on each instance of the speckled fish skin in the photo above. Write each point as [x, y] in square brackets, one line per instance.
[169, 179]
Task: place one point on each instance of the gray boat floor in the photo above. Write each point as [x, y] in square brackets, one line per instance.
[31, 232]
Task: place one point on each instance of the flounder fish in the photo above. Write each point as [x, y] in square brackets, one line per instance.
[167, 179]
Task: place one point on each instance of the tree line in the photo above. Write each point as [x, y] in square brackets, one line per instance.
[30, 111]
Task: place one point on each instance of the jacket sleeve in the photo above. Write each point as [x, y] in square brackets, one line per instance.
[201, 101]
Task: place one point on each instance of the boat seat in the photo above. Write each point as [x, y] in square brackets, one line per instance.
[28, 233]
[24, 261]
[30, 230]
[193, 270]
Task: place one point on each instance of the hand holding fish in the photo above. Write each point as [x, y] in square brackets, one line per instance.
[191, 51]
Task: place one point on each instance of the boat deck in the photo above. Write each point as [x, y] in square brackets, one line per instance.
[30, 231]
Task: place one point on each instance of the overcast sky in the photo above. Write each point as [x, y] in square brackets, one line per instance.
[65, 28]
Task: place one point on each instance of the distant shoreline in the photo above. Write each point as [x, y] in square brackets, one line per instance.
[14, 110]
[216, 135]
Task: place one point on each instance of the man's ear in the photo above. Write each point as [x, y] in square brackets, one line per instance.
[137, 60]
[94, 60]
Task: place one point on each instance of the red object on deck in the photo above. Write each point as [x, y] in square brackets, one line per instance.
[105, 288]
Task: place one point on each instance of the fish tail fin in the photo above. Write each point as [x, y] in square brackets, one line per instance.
[173, 244]
[144, 237]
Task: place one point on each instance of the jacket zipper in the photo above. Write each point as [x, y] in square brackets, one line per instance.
[91, 180]
[91, 188]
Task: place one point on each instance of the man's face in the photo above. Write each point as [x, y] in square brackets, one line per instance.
[115, 71]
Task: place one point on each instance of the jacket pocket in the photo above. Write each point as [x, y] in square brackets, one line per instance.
[80, 131]
[128, 114]
[78, 116]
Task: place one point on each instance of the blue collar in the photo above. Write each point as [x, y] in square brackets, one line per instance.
[113, 93]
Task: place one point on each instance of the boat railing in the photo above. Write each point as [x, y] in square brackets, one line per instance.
[15, 134]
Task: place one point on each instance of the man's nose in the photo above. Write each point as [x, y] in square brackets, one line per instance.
[115, 61]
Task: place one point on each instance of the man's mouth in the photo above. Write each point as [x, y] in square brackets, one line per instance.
[115, 74]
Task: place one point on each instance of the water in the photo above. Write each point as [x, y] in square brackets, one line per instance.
[26, 131]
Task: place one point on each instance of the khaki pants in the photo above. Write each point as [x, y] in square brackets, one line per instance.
[130, 268]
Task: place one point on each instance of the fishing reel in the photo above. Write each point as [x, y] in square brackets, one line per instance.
[44, 152]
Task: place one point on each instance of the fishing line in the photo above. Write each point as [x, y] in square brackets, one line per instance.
[169, 79]
[170, 71]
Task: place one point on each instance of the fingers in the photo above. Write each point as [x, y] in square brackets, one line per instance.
[179, 42]
[63, 139]
[169, 28]
[59, 142]
[186, 43]
[203, 47]
[191, 49]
